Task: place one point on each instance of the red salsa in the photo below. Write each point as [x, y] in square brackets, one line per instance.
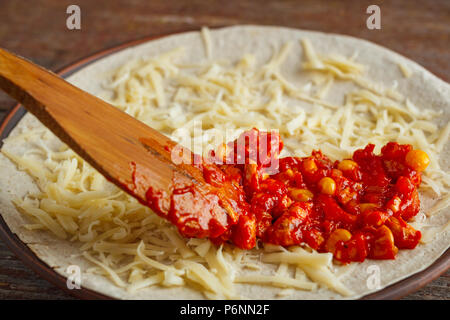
[356, 208]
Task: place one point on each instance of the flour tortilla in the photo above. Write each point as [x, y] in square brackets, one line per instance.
[422, 88]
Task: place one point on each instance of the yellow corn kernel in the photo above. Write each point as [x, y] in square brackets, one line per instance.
[347, 165]
[309, 165]
[366, 206]
[335, 236]
[327, 185]
[417, 160]
[301, 195]
[289, 173]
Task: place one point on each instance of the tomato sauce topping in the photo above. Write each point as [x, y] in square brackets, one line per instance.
[356, 208]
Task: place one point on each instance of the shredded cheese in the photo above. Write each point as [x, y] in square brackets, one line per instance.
[405, 70]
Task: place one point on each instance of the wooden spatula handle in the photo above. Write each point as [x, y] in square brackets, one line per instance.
[103, 135]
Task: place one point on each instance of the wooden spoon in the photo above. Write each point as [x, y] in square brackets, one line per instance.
[110, 140]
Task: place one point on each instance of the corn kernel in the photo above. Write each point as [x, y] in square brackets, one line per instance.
[301, 195]
[289, 173]
[366, 206]
[335, 236]
[327, 186]
[347, 165]
[417, 160]
[309, 165]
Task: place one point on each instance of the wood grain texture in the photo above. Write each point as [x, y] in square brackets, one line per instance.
[419, 30]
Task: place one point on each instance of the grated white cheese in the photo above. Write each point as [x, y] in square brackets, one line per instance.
[405, 70]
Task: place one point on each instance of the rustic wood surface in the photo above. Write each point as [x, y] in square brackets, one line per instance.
[36, 29]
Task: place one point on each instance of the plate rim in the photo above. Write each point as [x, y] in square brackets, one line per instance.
[394, 291]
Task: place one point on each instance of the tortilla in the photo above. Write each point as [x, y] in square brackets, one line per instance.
[422, 88]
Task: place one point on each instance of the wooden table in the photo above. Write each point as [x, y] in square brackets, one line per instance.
[37, 30]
